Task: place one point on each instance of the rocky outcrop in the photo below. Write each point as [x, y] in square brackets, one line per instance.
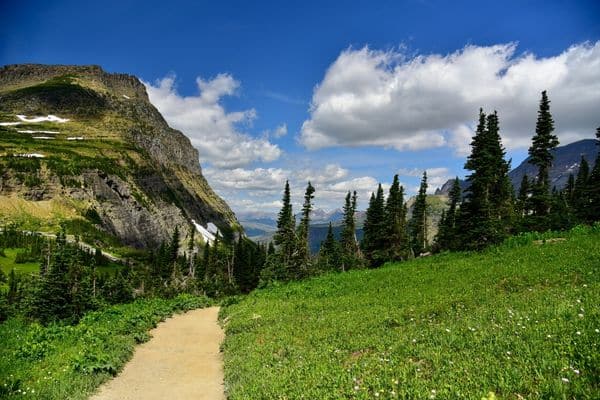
[143, 180]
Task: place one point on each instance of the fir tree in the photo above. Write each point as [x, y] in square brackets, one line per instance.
[285, 237]
[593, 213]
[174, 246]
[398, 246]
[581, 198]
[303, 250]
[487, 209]
[329, 257]
[374, 240]
[523, 197]
[418, 222]
[350, 251]
[446, 237]
[541, 156]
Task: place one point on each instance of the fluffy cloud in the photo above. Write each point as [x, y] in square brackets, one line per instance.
[276, 133]
[263, 187]
[212, 130]
[436, 177]
[263, 179]
[371, 97]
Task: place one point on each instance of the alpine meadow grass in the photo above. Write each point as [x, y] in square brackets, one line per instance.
[520, 320]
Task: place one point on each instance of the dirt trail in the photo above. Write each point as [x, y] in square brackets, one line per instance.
[182, 361]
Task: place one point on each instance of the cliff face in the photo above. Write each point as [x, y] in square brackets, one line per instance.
[107, 154]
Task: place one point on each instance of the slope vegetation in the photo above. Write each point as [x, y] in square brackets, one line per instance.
[519, 320]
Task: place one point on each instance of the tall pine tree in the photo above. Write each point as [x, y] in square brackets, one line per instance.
[418, 222]
[285, 237]
[594, 186]
[446, 237]
[487, 208]
[302, 261]
[540, 155]
[398, 246]
[351, 256]
[329, 254]
[374, 240]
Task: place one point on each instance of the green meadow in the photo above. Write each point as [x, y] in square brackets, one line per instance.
[517, 321]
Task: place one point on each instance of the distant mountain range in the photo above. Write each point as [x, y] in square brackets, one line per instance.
[566, 161]
[261, 227]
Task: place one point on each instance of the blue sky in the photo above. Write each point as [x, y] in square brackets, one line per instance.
[394, 85]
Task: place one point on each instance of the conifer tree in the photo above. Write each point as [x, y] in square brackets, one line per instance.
[540, 155]
[329, 257]
[350, 252]
[303, 251]
[174, 245]
[487, 208]
[581, 198]
[398, 246]
[374, 240]
[594, 186]
[501, 189]
[446, 237]
[569, 189]
[285, 236]
[418, 222]
[523, 197]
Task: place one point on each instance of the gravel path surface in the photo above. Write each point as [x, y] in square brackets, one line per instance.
[182, 361]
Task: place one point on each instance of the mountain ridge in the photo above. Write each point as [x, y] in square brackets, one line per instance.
[566, 161]
[109, 157]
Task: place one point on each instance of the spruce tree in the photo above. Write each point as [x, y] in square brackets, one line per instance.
[303, 251]
[329, 257]
[374, 244]
[351, 257]
[398, 246]
[581, 198]
[174, 246]
[446, 237]
[523, 197]
[569, 189]
[487, 209]
[594, 186]
[285, 237]
[541, 156]
[418, 222]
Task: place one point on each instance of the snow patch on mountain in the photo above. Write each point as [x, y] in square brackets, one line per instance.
[47, 132]
[209, 233]
[48, 118]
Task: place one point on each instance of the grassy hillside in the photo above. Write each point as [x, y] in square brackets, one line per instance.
[520, 320]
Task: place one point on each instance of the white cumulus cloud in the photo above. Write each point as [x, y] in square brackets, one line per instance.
[383, 98]
[212, 129]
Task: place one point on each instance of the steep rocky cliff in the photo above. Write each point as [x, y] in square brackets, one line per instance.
[88, 145]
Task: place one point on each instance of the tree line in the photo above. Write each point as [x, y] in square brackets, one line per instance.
[486, 213]
[71, 282]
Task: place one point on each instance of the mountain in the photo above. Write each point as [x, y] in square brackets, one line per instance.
[86, 148]
[566, 161]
